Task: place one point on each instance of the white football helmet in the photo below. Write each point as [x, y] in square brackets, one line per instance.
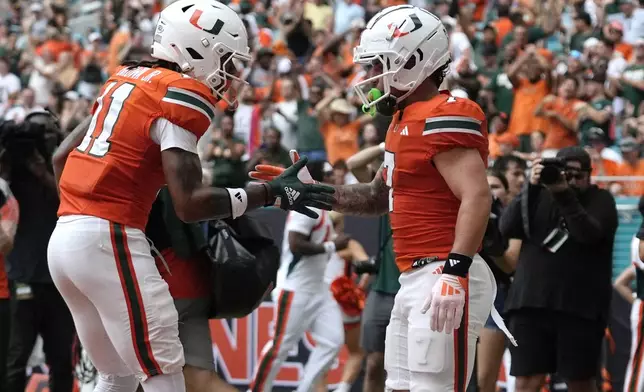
[206, 39]
[408, 42]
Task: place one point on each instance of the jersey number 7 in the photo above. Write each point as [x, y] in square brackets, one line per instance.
[97, 139]
[389, 164]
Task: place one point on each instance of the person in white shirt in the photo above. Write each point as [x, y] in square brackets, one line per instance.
[632, 18]
[43, 77]
[304, 300]
[26, 106]
[9, 85]
[285, 115]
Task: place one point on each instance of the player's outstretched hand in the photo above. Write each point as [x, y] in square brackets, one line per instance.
[298, 196]
[445, 304]
[269, 172]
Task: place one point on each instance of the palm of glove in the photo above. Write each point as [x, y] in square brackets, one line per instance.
[445, 304]
[292, 193]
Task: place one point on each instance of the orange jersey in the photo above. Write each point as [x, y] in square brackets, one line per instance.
[116, 171]
[422, 208]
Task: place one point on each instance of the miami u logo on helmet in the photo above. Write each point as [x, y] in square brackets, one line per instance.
[214, 30]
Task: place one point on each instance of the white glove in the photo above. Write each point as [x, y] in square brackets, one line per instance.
[445, 303]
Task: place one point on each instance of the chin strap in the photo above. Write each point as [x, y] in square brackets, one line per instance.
[386, 107]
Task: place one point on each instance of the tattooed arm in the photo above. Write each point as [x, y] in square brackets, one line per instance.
[196, 202]
[363, 199]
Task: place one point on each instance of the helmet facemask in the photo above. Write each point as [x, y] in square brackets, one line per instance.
[228, 68]
[399, 72]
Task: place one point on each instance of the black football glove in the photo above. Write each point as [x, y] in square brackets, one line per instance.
[298, 196]
[366, 267]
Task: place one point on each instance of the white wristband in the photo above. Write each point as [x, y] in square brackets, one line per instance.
[238, 201]
[382, 146]
[329, 247]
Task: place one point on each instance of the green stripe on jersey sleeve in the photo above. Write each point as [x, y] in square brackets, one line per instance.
[190, 100]
[452, 124]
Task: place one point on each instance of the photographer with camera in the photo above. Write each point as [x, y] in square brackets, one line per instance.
[39, 308]
[559, 301]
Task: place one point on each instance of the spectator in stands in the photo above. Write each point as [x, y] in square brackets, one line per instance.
[340, 133]
[93, 59]
[513, 168]
[630, 84]
[531, 79]
[9, 85]
[270, 152]
[560, 115]
[604, 160]
[25, 106]
[558, 303]
[43, 77]
[310, 141]
[226, 152]
[597, 110]
[248, 116]
[9, 214]
[285, 113]
[632, 18]
[632, 165]
[583, 30]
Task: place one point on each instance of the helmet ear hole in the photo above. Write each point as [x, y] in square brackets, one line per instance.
[194, 54]
[411, 63]
[413, 60]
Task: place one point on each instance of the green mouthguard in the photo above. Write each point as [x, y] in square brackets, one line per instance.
[372, 95]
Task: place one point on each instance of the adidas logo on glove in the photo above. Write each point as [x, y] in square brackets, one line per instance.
[292, 194]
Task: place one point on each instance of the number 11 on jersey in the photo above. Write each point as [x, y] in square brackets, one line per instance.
[390, 165]
[99, 145]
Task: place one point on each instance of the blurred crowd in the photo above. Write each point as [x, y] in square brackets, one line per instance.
[549, 74]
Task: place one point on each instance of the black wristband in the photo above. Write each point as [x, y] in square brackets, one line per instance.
[457, 264]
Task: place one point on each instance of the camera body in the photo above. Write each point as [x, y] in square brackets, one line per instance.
[20, 141]
[552, 168]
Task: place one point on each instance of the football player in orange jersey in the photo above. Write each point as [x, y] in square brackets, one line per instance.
[142, 134]
[434, 186]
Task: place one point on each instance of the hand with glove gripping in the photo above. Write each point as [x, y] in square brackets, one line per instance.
[269, 172]
[292, 193]
[447, 298]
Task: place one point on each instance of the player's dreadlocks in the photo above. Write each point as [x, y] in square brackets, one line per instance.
[439, 75]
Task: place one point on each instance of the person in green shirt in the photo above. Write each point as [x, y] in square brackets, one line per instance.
[310, 142]
[597, 110]
[226, 153]
[270, 152]
[631, 83]
[499, 93]
[583, 31]
[380, 301]
[479, 45]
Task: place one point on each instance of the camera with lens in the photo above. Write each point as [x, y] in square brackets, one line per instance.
[19, 142]
[552, 168]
